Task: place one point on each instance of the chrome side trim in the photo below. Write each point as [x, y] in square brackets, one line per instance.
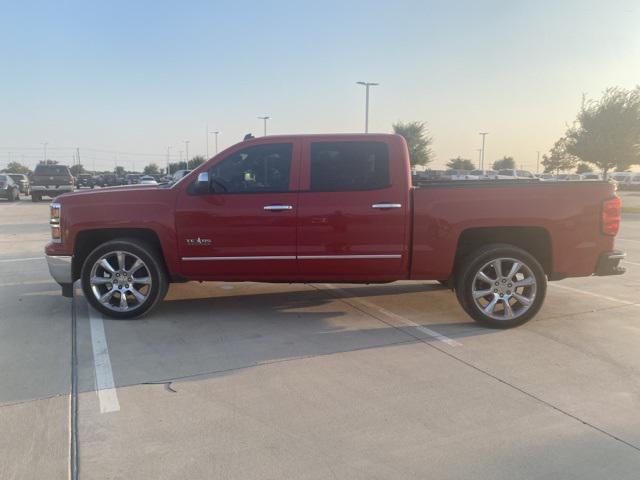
[277, 208]
[60, 268]
[345, 257]
[268, 257]
[293, 257]
[385, 206]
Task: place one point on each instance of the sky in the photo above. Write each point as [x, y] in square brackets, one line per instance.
[123, 81]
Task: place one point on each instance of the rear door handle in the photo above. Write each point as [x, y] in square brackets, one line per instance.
[277, 208]
[386, 206]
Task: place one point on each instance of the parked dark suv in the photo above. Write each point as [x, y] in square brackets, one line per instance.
[51, 181]
[85, 180]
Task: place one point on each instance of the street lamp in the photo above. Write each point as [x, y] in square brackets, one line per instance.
[45, 150]
[366, 110]
[264, 118]
[186, 145]
[169, 160]
[215, 132]
[484, 134]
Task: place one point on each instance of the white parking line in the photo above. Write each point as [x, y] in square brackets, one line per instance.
[631, 263]
[591, 294]
[400, 318]
[105, 386]
[27, 259]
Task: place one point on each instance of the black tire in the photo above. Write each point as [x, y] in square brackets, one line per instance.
[36, 197]
[153, 263]
[12, 197]
[474, 262]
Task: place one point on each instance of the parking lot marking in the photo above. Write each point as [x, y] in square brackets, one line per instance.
[631, 263]
[33, 282]
[105, 386]
[400, 318]
[8, 260]
[628, 240]
[597, 295]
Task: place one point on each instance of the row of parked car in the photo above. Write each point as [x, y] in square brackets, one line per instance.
[625, 180]
[53, 180]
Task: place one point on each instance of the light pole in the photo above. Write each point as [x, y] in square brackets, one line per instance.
[215, 132]
[538, 162]
[264, 118]
[44, 145]
[366, 109]
[186, 145]
[169, 160]
[484, 134]
[479, 158]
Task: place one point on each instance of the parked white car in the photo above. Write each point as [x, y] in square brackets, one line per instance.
[592, 176]
[512, 174]
[569, 177]
[619, 177]
[147, 180]
[545, 177]
[484, 174]
[631, 183]
[458, 175]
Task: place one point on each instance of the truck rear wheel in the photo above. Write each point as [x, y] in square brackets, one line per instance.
[124, 278]
[36, 197]
[501, 286]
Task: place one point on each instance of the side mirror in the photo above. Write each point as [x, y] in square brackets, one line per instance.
[202, 184]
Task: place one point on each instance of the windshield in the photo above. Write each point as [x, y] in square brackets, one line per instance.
[52, 170]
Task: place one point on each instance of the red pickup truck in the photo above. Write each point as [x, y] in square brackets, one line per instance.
[333, 208]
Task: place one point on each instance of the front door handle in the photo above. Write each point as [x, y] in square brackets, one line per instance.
[277, 208]
[386, 206]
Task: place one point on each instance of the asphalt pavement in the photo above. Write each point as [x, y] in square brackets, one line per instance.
[261, 381]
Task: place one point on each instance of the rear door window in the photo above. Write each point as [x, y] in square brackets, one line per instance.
[349, 166]
[52, 170]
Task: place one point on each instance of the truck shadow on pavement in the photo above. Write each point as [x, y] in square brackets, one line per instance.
[218, 329]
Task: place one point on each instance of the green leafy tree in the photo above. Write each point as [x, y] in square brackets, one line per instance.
[583, 168]
[606, 132]
[558, 159]
[418, 141]
[15, 167]
[76, 169]
[119, 171]
[195, 162]
[505, 163]
[460, 163]
[151, 169]
[174, 167]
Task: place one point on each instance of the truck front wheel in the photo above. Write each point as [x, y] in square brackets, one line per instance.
[501, 286]
[124, 278]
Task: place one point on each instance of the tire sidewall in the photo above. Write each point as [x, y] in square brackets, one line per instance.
[156, 270]
[480, 258]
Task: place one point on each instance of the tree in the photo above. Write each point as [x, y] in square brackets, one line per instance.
[558, 158]
[606, 132]
[460, 163]
[175, 166]
[418, 140]
[76, 169]
[15, 167]
[583, 168]
[119, 171]
[195, 162]
[151, 169]
[505, 163]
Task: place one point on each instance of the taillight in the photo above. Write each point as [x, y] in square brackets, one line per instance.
[54, 222]
[611, 216]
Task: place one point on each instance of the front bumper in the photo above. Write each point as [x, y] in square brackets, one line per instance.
[60, 270]
[609, 263]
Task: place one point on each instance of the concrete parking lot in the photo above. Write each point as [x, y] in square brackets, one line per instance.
[260, 381]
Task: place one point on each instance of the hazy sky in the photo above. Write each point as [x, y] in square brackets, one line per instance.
[139, 76]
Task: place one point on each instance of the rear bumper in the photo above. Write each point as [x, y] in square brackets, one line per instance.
[609, 263]
[51, 189]
[60, 270]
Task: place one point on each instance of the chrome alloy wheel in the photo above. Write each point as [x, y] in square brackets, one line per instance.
[504, 288]
[120, 281]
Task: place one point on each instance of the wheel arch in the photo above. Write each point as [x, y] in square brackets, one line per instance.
[87, 240]
[534, 240]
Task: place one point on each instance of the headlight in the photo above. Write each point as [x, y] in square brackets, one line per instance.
[56, 229]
